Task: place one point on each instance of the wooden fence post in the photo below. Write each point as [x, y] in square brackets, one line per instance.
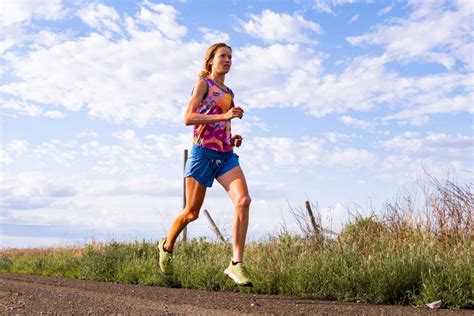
[214, 226]
[185, 230]
[311, 217]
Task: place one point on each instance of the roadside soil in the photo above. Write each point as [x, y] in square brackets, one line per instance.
[26, 294]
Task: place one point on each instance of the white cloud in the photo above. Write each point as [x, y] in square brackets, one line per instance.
[171, 145]
[348, 120]
[402, 169]
[323, 6]
[265, 154]
[18, 146]
[413, 38]
[127, 81]
[328, 6]
[335, 137]
[45, 39]
[432, 143]
[258, 70]
[20, 107]
[281, 27]
[117, 81]
[162, 18]
[351, 158]
[32, 190]
[353, 19]
[101, 17]
[102, 208]
[385, 10]
[9, 152]
[412, 155]
[434, 103]
[88, 134]
[22, 11]
[63, 153]
[126, 152]
[365, 82]
[15, 15]
[213, 36]
[134, 147]
[54, 114]
[5, 157]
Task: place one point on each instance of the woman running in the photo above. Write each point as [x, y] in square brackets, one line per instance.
[211, 110]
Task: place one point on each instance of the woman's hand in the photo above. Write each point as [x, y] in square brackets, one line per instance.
[236, 140]
[234, 112]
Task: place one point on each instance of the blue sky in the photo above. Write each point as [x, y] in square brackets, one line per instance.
[347, 104]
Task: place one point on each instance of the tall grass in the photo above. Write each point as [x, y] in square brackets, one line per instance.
[414, 253]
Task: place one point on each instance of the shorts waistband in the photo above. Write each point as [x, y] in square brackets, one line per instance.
[209, 153]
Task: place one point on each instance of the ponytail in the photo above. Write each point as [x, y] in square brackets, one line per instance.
[204, 74]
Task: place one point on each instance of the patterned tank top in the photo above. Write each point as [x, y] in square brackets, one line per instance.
[215, 136]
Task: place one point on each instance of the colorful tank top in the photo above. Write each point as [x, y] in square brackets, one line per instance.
[215, 136]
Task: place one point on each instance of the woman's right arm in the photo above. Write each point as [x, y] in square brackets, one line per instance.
[192, 118]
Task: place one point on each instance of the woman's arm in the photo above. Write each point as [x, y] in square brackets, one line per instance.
[192, 118]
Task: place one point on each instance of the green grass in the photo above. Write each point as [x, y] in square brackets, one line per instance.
[413, 274]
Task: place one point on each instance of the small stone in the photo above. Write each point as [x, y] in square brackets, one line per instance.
[435, 304]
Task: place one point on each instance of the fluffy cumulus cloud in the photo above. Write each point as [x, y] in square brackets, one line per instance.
[18, 146]
[15, 107]
[411, 39]
[410, 155]
[348, 120]
[22, 11]
[116, 73]
[265, 154]
[12, 150]
[126, 152]
[16, 15]
[281, 27]
[32, 190]
[431, 33]
[101, 17]
[138, 78]
[57, 203]
[258, 70]
[411, 143]
[161, 17]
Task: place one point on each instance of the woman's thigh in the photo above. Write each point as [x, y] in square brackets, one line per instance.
[234, 183]
[195, 193]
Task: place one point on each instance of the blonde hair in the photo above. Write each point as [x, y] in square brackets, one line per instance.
[211, 51]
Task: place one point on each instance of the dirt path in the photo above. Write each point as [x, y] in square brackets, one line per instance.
[26, 294]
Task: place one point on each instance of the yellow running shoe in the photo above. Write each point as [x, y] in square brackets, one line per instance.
[238, 274]
[166, 259]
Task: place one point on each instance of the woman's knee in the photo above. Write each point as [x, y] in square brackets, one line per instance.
[191, 214]
[243, 201]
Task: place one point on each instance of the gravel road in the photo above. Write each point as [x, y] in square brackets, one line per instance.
[27, 294]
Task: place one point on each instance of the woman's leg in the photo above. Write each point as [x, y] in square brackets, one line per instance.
[195, 193]
[236, 186]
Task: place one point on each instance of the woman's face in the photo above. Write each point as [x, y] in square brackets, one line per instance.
[222, 60]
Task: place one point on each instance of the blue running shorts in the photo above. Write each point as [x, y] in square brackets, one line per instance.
[205, 165]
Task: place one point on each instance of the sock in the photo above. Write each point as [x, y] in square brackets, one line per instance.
[234, 263]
